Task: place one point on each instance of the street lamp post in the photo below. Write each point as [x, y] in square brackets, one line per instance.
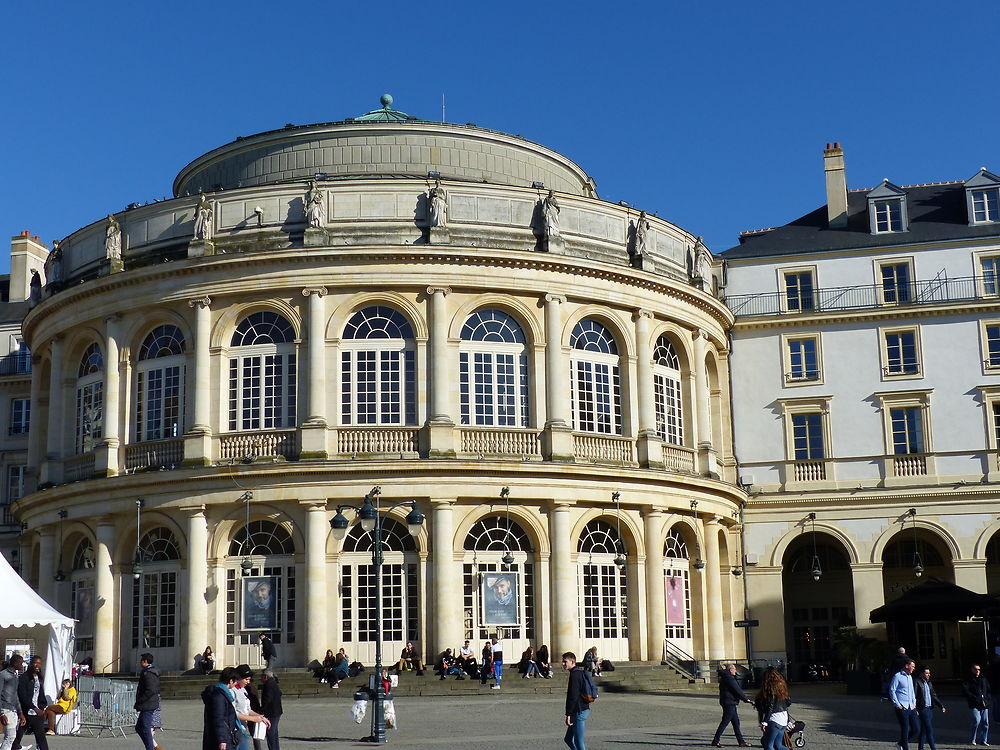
[368, 515]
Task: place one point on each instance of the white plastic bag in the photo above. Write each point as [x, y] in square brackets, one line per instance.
[390, 714]
[259, 730]
[358, 711]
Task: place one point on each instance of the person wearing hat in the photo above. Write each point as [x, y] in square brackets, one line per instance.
[241, 702]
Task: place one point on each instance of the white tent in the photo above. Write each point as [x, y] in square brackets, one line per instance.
[24, 610]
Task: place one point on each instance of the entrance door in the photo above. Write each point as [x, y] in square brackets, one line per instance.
[933, 646]
[399, 610]
[677, 593]
[604, 608]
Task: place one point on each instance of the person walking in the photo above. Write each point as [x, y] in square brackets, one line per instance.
[904, 701]
[147, 700]
[976, 689]
[926, 701]
[487, 666]
[221, 730]
[32, 699]
[270, 706]
[580, 693]
[497, 661]
[730, 696]
[268, 652]
[772, 704]
[10, 708]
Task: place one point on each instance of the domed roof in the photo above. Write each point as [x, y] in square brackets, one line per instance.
[385, 114]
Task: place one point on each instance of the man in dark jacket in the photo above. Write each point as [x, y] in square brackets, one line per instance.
[31, 696]
[730, 696]
[270, 706]
[976, 690]
[927, 699]
[577, 706]
[221, 724]
[268, 651]
[147, 700]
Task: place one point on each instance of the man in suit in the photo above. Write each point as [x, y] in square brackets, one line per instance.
[31, 696]
[730, 696]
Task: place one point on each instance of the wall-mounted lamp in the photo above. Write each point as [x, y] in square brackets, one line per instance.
[817, 571]
[918, 563]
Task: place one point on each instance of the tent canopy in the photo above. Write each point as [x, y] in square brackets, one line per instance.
[935, 599]
[22, 607]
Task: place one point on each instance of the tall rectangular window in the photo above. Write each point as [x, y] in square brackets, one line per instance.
[995, 411]
[989, 265]
[15, 482]
[807, 436]
[799, 291]
[803, 362]
[20, 416]
[907, 430]
[895, 283]
[992, 331]
[901, 356]
[889, 215]
[985, 205]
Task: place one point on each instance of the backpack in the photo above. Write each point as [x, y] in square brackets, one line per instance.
[589, 694]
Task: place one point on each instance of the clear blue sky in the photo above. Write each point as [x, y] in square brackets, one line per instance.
[713, 115]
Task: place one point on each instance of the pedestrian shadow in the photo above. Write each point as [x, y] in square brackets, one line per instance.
[322, 739]
[667, 740]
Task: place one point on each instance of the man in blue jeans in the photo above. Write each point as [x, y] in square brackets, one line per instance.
[147, 700]
[904, 702]
[577, 706]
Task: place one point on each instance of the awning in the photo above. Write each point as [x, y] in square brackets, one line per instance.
[935, 599]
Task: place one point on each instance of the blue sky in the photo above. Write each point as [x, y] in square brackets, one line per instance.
[713, 115]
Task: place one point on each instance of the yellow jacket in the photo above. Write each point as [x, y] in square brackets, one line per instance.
[68, 703]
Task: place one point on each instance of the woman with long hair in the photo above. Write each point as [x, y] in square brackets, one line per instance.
[772, 709]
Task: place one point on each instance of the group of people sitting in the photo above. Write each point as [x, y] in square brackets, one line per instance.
[336, 668]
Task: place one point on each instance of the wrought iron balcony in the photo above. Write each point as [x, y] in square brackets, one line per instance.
[829, 299]
[18, 363]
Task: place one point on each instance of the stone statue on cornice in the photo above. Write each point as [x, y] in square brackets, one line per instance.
[641, 246]
[315, 208]
[550, 215]
[113, 239]
[437, 206]
[203, 223]
[53, 264]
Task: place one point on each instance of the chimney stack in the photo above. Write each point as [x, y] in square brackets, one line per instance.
[836, 186]
[27, 254]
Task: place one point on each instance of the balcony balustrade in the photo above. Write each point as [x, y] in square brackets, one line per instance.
[251, 446]
[378, 441]
[600, 449]
[154, 455]
[501, 443]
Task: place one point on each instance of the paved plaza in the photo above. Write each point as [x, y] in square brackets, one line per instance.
[525, 722]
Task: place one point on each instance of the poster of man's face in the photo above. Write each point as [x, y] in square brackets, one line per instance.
[85, 611]
[499, 594]
[260, 603]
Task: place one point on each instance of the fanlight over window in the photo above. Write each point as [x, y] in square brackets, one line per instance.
[491, 534]
[675, 546]
[263, 328]
[83, 557]
[92, 362]
[162, 341]
[159, 545]
[395, 538]
[261, 538]
[599, 537]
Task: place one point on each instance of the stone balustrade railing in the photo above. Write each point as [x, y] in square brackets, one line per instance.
[251, 446]
[604, 449]
[378, 441]
[501, 443]
[155, 454]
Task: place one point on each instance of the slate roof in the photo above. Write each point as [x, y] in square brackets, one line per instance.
[936, 212]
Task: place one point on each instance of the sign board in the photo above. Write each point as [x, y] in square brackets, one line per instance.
[746, 623]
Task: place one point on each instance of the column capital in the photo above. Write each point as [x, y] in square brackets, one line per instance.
[699, 333]
[713, 520]
[641, 313]
[561, 504]
[442, 290]
[105, 521]
[319, 291]
[202, 302]
[443, 503]
[651, 512]
[312, 506]
[193, 510]
[112, 318]
[561, 298]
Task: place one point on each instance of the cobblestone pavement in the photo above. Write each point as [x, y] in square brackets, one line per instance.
[499, 722]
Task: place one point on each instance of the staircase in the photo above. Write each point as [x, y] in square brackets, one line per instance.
[629, 677]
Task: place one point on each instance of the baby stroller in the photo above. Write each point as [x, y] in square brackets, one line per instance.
[794, 736]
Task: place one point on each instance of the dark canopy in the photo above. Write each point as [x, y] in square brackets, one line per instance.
[935, 599]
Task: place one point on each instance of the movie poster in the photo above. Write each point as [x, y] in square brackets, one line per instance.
[499, 595]
[260, 603]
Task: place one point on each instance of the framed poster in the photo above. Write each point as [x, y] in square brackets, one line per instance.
[498, 592]
[84, 611]
[675, 593]
[259, 603]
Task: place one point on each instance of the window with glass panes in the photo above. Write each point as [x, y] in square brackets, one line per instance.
[603, 587]
[985, 205]
[676, 583]
[803, 363]
[377, 369]
[493, 371]
[895, 282]
[907, 430]
[989, 265]
[15, 482]
[159, 378]
[20, 416]
[807, 436]
[889, 215]
[485, 544]
[901, 353]
[667, 392]
[272, 542]
[992, 331]
[90, 399]
[595, 385]
[262, 384]
[799, 291]
[995, 411]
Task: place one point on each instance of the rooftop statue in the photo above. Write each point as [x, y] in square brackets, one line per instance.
[550, 215]
[702, 261]
[640, 249]
[203, 223]
[315, 209]
[437, 206]
[53, 264]
[113, 239]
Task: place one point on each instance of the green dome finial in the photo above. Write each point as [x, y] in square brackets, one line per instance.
[386, 100]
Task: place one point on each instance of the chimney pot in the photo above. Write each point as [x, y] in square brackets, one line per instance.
[836, 187]
[35, 238]
[829, 146]
[25, 233]
[836, 144]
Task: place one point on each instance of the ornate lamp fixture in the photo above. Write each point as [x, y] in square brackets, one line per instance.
[246, 564]
[508, 558]
[60, 576]
[620, 557]
[918, 563]
[137, 564]
[817, 570]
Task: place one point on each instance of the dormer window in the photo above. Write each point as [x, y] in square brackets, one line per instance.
[982, 196]
[887, 209]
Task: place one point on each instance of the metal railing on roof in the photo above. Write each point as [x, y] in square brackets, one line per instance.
[826, 299]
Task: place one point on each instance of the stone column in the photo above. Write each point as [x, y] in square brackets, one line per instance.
[971, 574]
[446, 583]
[558, 429]
[316, 621]
[766, 604]
[36, 447]
[51, 472]
[706, 452]
[46, 564]
[106, 604]
[868, 595]
[441, 426]
[713, 590]
[655, 595]
[198, 440]
[106, 453]
[565, 612]
[649, 443]
[196, 610]
[314, 428]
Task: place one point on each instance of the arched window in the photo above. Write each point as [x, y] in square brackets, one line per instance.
[667, 392]
[599, 537]
[395, 538]
[378, 373]
[273, 572]
[89, 399]
[159, 545]
[83, 556]
[493, 371]
[603, 588]
[262, 374]
[674, 546]
[261, 538]
[595, 386]
[676, 586]
[160, 385]
[491, 534]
